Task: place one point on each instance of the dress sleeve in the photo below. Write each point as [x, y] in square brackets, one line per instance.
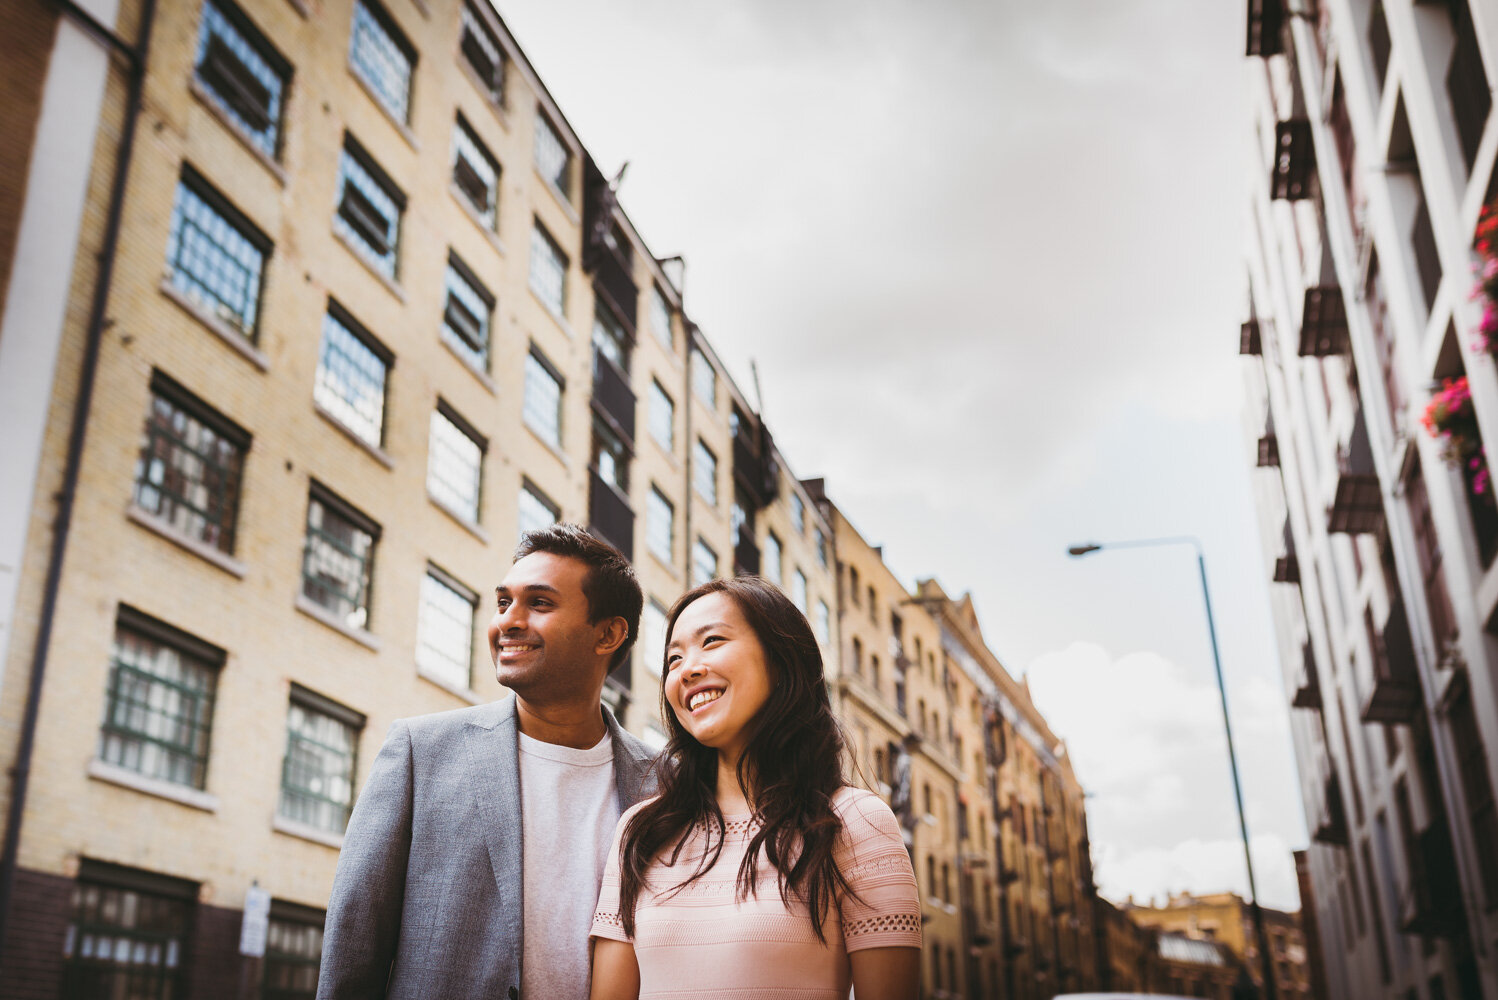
[607, 923]
[883, 910]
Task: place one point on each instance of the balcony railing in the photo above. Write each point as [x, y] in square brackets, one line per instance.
[754, 464]
[1269, 452]
[1394, 694]
[1431, 904]
[614, 280]
[1323, 323]
[1308, 684]
[746, 555]
[610, 516]
[1266, 18]
[1331, 821]
[1248, 339]
[1358, 508]
[613, 396]
[1294, 168]
[1286, 570]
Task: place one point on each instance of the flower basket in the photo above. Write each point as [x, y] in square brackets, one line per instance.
[1486, 244]
[1449, 415]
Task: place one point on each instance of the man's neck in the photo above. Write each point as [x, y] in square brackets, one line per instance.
[579, 726]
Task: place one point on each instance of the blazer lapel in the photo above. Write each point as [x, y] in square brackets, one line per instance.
[493, 760]
[634, 769]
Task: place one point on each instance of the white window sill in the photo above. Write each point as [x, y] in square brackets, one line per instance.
[222, 330]
[321, 614]
[377, 453]
[379, 102]
[555, 449]
[557, 317]
[125, 778]
[472, 527]
[362, 256]
[154, 523]
[467, 694]
[563, 202]
[477, 219]
[484, 378]
[206, 98]
[292, 828]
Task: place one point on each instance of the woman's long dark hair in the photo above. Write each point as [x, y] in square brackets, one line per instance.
[792, 761]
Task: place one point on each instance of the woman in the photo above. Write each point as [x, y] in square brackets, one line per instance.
[757, 872]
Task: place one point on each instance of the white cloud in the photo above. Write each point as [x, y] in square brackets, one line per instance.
[1200, 867]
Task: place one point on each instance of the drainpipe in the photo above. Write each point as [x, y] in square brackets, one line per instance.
[134, 57]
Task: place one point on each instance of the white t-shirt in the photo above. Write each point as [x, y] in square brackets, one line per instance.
[569, 807]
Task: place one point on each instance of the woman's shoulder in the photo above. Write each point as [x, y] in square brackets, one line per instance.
[864, 814]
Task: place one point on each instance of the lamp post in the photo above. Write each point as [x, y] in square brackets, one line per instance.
[1201, 564]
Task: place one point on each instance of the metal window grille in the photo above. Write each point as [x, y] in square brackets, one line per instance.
[704, 379]
[475, 172]
[548, 274]
[369, 212]
[188, 473]
[124, 943]
[662, 417]
[705, 472]
[467, 316]
[317, 775]
[543, 400]
[293, 951]
[481, 50]
[454, 467]
[798, 590]
[351, 380]
[660, 526]
[660, 319]
[382, 58]
[241, 70]
[536, 511]
[772, 559]
[444, 630]
[214, 261]
[158, 715]
[704, 563]
[338, 562]
[553, 158]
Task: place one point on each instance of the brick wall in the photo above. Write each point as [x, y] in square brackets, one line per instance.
[31, 963]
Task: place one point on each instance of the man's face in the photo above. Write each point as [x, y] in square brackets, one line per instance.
[543, 647]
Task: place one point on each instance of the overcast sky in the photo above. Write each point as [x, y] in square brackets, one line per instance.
[986, 257]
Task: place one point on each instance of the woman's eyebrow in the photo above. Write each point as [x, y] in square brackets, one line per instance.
[710, 626]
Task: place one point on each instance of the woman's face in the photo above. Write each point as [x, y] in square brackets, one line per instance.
[716, 676]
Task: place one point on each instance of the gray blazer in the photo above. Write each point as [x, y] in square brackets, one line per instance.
[427, 898]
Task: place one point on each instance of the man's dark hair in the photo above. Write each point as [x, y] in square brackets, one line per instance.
[610, 585]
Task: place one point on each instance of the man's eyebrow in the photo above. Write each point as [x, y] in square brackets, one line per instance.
[710, 626]
[547, 588]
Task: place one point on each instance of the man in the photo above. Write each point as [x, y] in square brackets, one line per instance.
[473, 858]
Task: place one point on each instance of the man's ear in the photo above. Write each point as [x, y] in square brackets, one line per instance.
[615, 632]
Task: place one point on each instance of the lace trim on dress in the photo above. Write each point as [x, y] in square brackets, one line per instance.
[882, 923]
[609, 919]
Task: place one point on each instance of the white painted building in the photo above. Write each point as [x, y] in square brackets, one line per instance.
[1372, 150]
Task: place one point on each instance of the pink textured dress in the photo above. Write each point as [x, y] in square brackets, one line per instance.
[701, 942]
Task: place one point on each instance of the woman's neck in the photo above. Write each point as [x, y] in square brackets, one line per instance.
[731, 798]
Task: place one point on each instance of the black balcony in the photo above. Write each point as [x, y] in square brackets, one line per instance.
[746, 554]
[1431, 905]
[613, 397]
[1358, 508]
[1394, 695]
[1286, 570]
[754, 465]
[614, 281]
[1266, 19]
[1269, 452]
[1467, 84]
[1331, 819]
[1323, 323]
[606, 251]
[610, 516]
[1248, 339]
[1294, 168]
[1308, 684]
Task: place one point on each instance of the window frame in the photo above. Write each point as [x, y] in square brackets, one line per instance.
[311, 702]
[340, 507]
[386, 22]
[360, 333]
[268, 138]
[704, 378]
[350, 215]
[658, 392]
[536, 493]
[558, 257]
[699, 547]
[704, 457]
[561, 182]
[493, 89]
[489, 212]
[656, 502]
[445, 411]
[457, 587]
[660, 308]
[244, 323]
[287, 914]
[536, 355]
[477, 356]
[178, 898]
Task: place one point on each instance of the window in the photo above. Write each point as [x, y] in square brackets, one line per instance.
[468, 314]
[475, 173]
[543, 398]
[820, 544]
[369, 208]
[660, 319]
[455, 463]
[873, 607]
[553, 158]
[128, 933]
[382, 58]
[653, 637]
[293, 951]
[444, 630]
[704, 563]
[704, 379]
[216, 257]
[338, 560]
[772, 558]
[610, 458]
[823, 623]
[853, 586]
[352, 368]
[662, 417]
[536, 508]
[548, 270]
[660, 525]
[798, 513]
[610, 338]
[857, 656]
[705, 472]
[158, 714]
[481, 51]
[190, 463]
[317, 776]
[798, 590]
[243, 73]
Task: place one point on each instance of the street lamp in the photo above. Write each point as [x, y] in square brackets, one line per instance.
[1078, 551]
